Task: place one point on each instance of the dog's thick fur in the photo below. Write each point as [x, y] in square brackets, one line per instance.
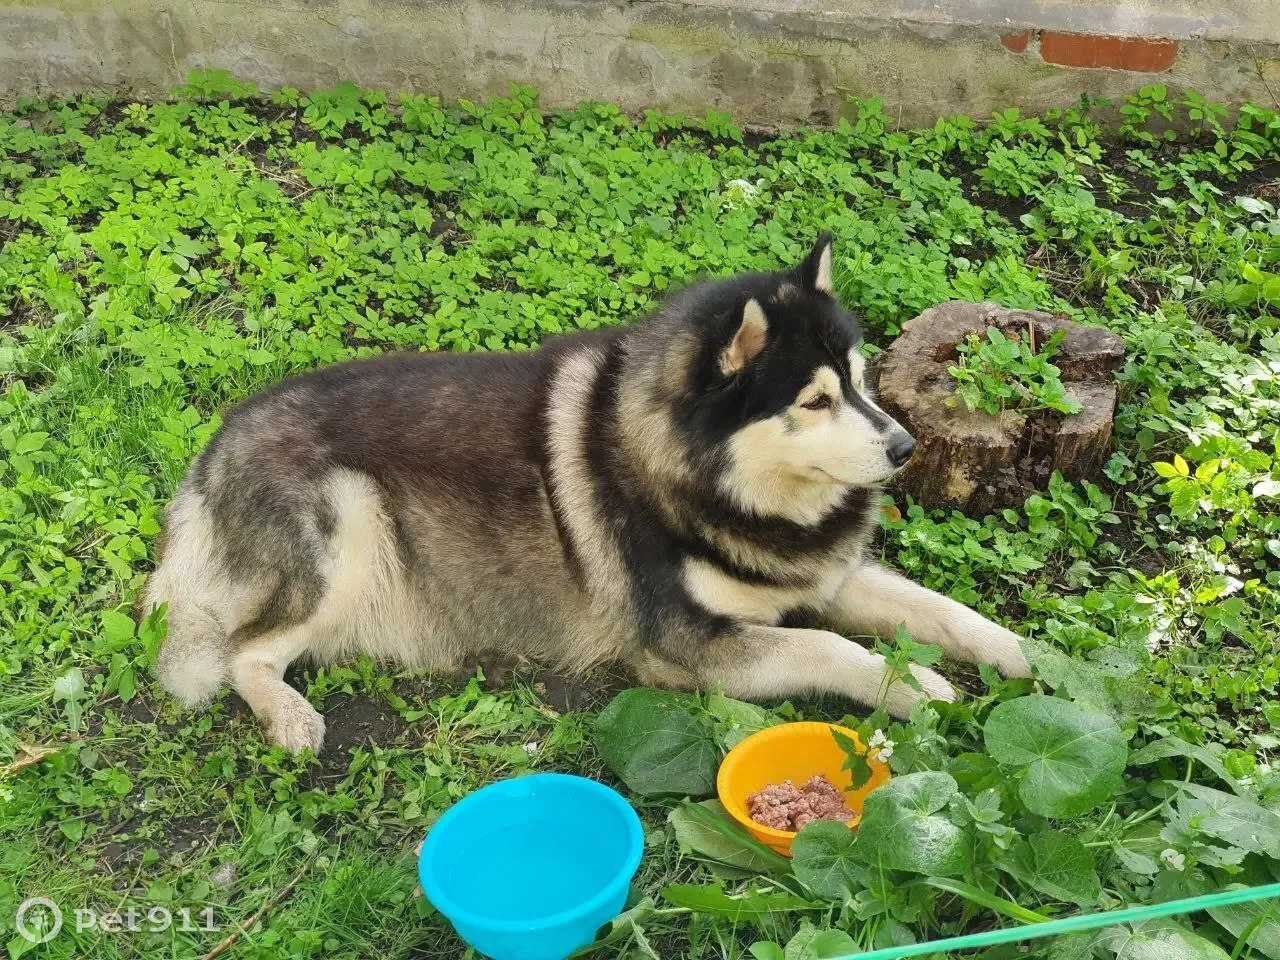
[687, 494]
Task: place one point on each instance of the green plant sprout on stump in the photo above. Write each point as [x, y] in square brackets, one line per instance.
[1002, 373]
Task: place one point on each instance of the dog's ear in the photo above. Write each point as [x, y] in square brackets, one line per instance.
[815, 272]
[747, 343]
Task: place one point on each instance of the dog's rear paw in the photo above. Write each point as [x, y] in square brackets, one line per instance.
[296, 726]
[500, 668]
[902, 698]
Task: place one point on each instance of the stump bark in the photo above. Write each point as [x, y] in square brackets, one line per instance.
[977, 462]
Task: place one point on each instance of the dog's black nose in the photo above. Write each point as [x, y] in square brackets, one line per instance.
[900, 449]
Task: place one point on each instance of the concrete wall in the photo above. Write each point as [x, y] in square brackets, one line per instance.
[766, 61]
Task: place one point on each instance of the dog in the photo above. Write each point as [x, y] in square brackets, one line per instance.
[690, 495]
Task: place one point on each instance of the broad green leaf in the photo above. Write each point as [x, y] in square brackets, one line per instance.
[69, 686]
[1105, 681]
[737, 720]
[1055, 864]
[1258, 923]
[1177, 747]
[69, 690]
[1184, 500]
[974, 772]
[766, 950]
[128, 684]
[1075, 946]
[1138, 863]
[1071, 759]
[654, 743]
[1234, 820]
[902, 827]
[1159, 940]
[117, 627]
[30, 442]
[810, 943]
[754, 903]
[706, 830]
[822, 856]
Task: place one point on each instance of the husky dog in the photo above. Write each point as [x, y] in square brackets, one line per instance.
[691, 495]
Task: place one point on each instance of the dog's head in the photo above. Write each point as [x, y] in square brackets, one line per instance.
[778, 384]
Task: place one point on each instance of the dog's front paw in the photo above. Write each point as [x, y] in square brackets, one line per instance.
[296, 725]
[985, 642]
[1005, 652]
[902, 697]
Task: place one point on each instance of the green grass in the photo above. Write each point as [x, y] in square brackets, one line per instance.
[161, 261]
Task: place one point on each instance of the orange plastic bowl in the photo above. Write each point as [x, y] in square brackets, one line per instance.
[795, 752]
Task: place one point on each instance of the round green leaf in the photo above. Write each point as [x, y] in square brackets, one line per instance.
[810, 943]
[902, 828]
[1056, 865]
[1159, 940]
[655, 744]
[822, 856]
[1071, 759]
[1260, 920]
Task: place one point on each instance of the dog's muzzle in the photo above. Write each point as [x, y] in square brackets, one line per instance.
[901, 446]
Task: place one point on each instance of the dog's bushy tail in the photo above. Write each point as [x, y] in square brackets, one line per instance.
[194, 658]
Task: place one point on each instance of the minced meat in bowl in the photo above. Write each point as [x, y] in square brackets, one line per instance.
[784, 806]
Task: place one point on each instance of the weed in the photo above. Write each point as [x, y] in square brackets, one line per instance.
[1007, 374]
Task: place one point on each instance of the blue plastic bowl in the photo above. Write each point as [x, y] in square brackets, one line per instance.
[531, 868]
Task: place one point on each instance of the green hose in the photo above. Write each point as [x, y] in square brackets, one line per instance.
[1089, 921]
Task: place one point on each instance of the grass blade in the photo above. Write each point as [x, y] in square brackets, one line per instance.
[983, 899]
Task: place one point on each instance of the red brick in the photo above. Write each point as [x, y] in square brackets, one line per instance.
[1137, 54]
[1017, 42]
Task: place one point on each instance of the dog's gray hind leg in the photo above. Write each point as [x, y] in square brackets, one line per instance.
[257, 673]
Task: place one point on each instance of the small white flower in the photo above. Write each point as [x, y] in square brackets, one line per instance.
[1174, 859]
[886, 751]
[531, 747]
[877, 739]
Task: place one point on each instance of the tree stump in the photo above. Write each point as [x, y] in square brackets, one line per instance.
[976, 462]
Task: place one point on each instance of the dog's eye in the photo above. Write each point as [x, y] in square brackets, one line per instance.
[820, 402]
